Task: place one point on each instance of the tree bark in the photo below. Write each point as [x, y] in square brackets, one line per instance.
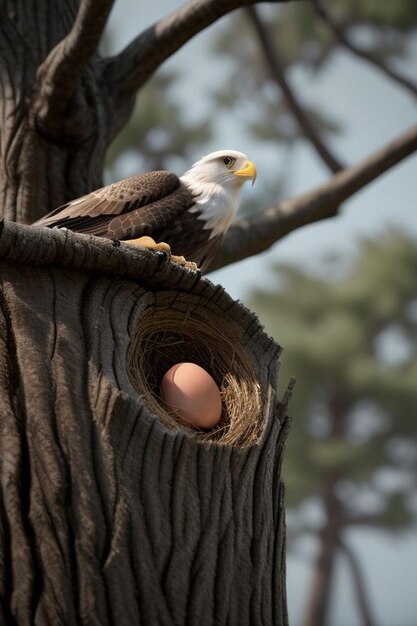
[107, 515]
[57, 114]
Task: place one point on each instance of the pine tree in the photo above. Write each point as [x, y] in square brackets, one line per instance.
[351, 344]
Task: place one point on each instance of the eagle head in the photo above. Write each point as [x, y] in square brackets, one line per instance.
[216, 181]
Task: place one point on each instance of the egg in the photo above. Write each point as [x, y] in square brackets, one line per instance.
[192, 394]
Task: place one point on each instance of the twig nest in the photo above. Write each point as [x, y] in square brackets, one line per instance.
[165, 337]
[191, 393]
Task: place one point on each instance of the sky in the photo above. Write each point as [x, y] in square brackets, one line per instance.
[373, 111]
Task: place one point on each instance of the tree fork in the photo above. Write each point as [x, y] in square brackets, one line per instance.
[57, 111]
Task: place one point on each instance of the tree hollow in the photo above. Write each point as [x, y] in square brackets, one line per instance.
[111, 514]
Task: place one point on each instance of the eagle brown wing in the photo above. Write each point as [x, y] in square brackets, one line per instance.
[136, 206]
[155, 204]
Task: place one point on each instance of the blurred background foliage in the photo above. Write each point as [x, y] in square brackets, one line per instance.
[161, 136]
[351, 344]
[349, 333]
[158, 133]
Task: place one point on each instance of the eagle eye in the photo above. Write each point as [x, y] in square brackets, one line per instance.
[229, 161]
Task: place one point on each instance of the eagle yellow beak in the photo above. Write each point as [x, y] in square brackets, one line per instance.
[248, 170]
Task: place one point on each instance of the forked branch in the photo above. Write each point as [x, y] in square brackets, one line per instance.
[58, 75]
[277, 73]
[132, 67]
[259, 232]
[359, 584]
[340, 36]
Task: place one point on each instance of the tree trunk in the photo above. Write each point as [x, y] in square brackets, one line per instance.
[362, 597]
[48, 160]
[109, 516]
[46, 174]
[317, 607]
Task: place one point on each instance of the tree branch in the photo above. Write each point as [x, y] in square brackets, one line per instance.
[259, 232]
[134, 65]
[343, 39]
[359, 584]
[276, 69]
[58, 75]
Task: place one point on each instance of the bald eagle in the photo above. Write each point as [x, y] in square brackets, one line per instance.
[190, 214]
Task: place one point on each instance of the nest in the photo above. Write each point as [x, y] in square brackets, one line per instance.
[165, 337]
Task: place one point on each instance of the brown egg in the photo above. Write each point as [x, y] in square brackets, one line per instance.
[192, 394]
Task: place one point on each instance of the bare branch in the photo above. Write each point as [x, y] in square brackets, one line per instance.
[130, 69]
[58, 75]
[260, 231]
[276, 69]
[340, 36]
[359, 584]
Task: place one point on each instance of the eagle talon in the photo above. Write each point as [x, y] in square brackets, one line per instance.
[161, 254]
[162, 259]
[181, 260]
[190, 265]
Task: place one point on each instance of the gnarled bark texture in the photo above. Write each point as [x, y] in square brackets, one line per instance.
[107, 516]
[56, 120]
